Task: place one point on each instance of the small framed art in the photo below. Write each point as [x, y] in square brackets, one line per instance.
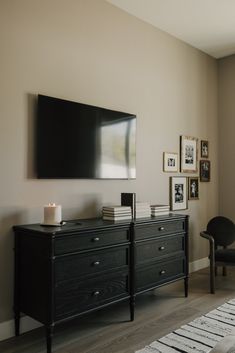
[204, 149]
[205, 170]
[170, 162]
[193, 188]
[188, 154]
[178, 193]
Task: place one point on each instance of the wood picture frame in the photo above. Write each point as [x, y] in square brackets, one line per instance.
[188, 154]
[193, 188]
[170, 162]
[204, 149]
[178, 193]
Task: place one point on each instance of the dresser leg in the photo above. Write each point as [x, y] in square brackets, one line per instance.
[49, 335]
[16, 307]
[132, 308]
[186, 287]
[17, 324]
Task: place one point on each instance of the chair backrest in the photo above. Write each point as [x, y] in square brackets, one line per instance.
[222, 229]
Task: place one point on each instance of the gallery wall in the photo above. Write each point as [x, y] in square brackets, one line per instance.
[91, 52]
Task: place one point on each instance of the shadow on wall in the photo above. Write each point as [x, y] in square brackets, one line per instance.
[30, 167]
[87, 207]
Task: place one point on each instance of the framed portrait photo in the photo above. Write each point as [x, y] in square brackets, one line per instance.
[178, 193]
[188, 154]
[205, 170]
[193, 188]
[170, 162]
[204, 149]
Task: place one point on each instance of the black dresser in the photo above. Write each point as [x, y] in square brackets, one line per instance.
[64, 272]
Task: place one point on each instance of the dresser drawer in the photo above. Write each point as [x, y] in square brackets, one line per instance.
[72, 266]
[74, 297]
[90, 240]
[158, 229]
[148, 251]
[154, 275]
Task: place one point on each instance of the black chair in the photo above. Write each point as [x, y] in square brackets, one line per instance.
[221, 233]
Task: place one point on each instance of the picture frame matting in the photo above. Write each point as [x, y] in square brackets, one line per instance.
[188, 154]
[170, 162]
[178, 193]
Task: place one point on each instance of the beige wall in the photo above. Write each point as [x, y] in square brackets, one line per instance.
[92, 52]
[226, 137]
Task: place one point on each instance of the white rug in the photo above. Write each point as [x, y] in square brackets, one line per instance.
[199, 335]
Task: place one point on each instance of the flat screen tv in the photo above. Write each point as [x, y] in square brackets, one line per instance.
[76, 140]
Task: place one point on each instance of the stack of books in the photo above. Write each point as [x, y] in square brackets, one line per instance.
[142, 209]
[160, 210]
[116, 213]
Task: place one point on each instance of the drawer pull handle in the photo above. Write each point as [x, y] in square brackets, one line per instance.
[96, 239]
[162, 248]
[162, 272]
[96, 293]
[161, 229]
[96, 263]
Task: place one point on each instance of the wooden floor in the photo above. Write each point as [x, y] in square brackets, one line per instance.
[110, 331]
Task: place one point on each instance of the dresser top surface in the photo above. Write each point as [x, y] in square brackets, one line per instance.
[84, 225]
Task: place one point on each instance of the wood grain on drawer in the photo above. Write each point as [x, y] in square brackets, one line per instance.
[154, 275]
[148, 251]
[73, 297]
[72, 266]
[90, 240]
[158, 229]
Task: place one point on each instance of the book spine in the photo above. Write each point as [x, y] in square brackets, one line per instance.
[116, 207]
[106, 218]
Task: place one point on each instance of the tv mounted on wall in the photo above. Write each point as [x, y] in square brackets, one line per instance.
[76, 140]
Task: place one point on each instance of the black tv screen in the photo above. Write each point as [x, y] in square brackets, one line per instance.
[75, 140]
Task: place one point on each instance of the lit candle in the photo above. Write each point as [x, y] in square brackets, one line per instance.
[52, 214]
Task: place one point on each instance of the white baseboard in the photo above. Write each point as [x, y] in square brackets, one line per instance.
[7, 328]
[198, 264]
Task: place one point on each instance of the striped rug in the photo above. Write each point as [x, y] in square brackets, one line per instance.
[199, 335]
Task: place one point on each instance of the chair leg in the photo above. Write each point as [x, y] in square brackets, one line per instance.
[224, 271]
[216, 272]
[212, 274]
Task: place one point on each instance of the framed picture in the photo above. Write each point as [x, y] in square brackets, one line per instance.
[178, 193]
[170, 162]
[204, 149]
[188, 154]
[205, 170]
[193, 188]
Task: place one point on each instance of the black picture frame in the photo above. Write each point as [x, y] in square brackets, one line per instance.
[205, 170]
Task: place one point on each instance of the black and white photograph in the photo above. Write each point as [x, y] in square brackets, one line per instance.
[193, 188]
[205, 170]
[170, 162]
[204, 149]
[188, 154]
[178, 193]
